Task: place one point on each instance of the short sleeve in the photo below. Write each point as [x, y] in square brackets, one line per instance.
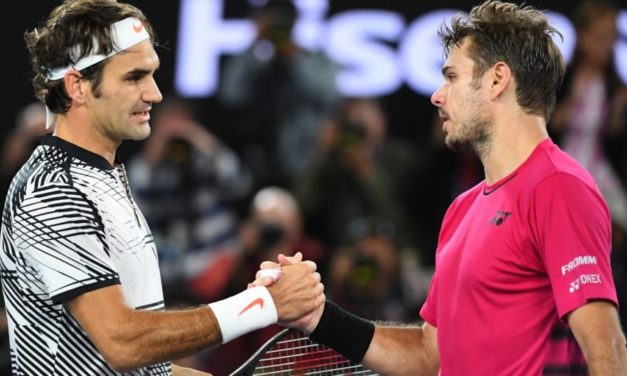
[571, 227]
[429, 308]
[62, 237]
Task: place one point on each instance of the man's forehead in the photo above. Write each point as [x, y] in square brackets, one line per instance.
[458, 55]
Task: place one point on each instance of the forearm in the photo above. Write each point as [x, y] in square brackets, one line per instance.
[597, 328]
[151, 337]
[401, 351]
[408, 350]
[608, 358]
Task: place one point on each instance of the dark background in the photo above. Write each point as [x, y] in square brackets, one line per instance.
[409, 113]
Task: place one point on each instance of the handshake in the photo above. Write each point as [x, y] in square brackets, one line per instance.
[288, 292]
[296, 289]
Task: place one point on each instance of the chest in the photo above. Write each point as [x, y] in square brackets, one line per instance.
[489, 245]
[129, 241]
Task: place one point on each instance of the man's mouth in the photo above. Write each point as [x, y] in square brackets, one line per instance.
[142, 115]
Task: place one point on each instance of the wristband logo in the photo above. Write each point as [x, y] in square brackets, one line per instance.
[258, 301]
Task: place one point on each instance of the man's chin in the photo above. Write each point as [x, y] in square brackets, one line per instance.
[456, 144]
[140, 133]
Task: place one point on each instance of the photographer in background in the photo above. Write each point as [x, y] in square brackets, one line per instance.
[279, 94]
[359, 172]
[188, 184]
[274, 225]
[365, 275]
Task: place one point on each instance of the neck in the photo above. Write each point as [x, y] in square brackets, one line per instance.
[515, 136]
[72, 128]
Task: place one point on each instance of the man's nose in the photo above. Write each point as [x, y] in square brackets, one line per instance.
[437, 98]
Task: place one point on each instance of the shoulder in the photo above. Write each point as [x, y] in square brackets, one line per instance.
[50, 176]
[570, 191]
[556, 175]
[460, 206]
[552, 163]
[464, 200]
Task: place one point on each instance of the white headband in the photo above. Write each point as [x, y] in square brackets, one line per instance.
[124, 35]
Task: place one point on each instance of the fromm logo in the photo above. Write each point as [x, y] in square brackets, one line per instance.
[500, 217]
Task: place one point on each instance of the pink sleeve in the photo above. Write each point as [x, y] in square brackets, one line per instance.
[571, 228]
[429, 308]
[428, 312]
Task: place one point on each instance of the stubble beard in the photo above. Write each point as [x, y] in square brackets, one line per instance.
[473, 135]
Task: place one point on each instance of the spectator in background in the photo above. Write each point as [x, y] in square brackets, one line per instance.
[186, 183]
[284, 93]
[273, 226]
[364, 277]
[357, 189]
[358, 174]
[29, 126]
[592, 108]
[591, 115]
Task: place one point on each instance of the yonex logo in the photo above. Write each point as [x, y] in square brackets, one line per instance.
[584, 279]
[500, 217]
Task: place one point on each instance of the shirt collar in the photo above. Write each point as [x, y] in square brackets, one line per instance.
[78, 152]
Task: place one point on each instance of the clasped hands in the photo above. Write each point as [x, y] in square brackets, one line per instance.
[296, 289]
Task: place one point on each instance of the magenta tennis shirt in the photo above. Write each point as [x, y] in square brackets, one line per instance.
[512, 259]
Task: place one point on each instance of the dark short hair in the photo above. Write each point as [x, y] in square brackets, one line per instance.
[521, 37]
[74, 23]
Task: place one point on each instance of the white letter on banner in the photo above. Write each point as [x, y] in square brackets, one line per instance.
[369, 67]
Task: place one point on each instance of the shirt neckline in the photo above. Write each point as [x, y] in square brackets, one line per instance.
[90, 158]
[490, 188]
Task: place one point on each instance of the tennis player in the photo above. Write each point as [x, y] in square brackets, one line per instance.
[79, 266]
[526, 248]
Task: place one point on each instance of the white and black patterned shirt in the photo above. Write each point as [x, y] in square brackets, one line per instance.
[70, 226]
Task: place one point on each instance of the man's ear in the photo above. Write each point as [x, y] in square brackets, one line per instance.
[500, 79]
[76, 87]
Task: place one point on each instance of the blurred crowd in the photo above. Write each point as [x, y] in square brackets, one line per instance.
[318, 173]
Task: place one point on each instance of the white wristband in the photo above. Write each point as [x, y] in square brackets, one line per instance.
[242, 313]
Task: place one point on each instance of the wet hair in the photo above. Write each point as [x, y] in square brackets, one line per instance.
[521, 37]
[74, 26]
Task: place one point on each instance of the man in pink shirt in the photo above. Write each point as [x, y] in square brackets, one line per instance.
[524, 250]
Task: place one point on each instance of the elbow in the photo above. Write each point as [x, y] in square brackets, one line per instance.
[122, 358]
[120, 352]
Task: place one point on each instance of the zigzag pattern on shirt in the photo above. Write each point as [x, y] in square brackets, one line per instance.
[57, 241]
